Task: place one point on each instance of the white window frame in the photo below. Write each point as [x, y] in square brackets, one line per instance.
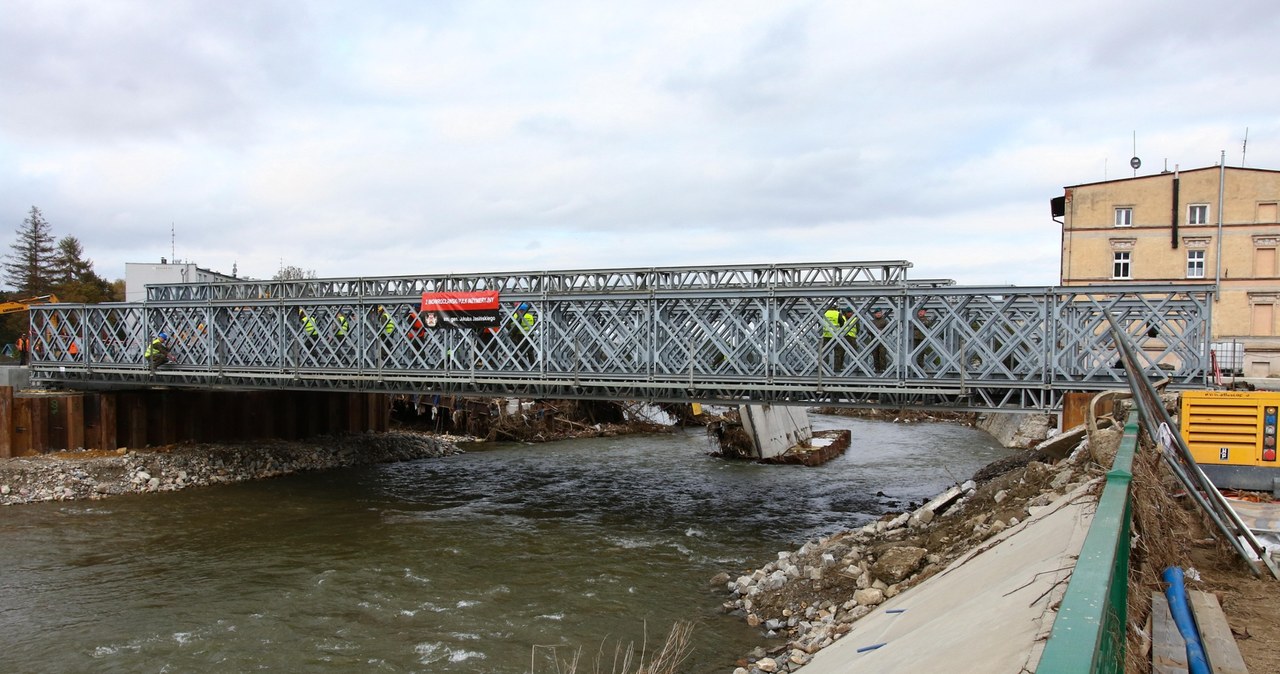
[1124, 216]
[1121, 265]
[1194, 210]
[1195, 263]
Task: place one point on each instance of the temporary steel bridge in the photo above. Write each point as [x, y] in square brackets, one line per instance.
[721, 334]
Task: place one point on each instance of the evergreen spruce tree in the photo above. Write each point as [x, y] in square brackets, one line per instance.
[73, 277]
[28, 267]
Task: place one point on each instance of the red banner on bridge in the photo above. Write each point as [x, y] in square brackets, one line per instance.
[460, 310]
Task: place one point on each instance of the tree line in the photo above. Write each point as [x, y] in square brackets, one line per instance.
[36, 265]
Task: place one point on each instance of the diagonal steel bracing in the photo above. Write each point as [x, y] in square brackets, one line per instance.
[718, 334]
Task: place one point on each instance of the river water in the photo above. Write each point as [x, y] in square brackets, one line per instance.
[508, 558]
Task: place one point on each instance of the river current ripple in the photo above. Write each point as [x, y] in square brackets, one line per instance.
[496, 560]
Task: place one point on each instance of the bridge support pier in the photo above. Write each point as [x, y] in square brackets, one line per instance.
[774, 429]
[38, 423]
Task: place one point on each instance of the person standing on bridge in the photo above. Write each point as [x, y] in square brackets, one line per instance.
[21, 346]
[520, 328]
[880, 319]
[386, 332]
[340, 335]
[309, 332]
[832, 322]
[157, 352]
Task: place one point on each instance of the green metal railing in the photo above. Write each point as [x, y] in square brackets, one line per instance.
[1089, 631]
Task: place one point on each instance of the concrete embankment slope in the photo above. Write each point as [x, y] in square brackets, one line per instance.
[989, 611]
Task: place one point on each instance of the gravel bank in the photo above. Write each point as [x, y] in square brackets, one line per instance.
[65, 476]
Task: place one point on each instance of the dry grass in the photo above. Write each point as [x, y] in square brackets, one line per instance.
[1161, 527]
[620, 659]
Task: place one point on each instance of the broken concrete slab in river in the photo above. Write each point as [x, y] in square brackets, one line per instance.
[777, 434]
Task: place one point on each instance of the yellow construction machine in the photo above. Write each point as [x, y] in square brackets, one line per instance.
[23, 305]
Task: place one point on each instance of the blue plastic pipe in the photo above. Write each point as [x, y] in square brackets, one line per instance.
[1176, 593]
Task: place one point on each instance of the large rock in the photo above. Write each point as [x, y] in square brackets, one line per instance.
[896, 564]
[1016, 429]
[869, 597]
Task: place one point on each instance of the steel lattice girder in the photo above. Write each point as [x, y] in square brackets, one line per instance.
[944, 346]
[830, 275]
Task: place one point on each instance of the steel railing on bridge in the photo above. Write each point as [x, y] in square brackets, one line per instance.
[720, 334]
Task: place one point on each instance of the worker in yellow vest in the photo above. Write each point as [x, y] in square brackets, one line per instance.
[832, 324]
[157, 352]
[520, 329]
[309, 332]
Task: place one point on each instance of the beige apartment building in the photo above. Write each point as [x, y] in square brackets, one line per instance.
[1210, 225]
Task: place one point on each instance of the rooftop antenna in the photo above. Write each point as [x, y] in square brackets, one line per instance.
[1244, 148]
[173, 255]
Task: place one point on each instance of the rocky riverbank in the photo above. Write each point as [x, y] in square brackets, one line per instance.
[64, 476]
[810, 597]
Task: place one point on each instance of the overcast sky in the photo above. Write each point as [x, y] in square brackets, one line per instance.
[387, 137]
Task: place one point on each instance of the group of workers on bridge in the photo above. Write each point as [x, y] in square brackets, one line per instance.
[520, 325]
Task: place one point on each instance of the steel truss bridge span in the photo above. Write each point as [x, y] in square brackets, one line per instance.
[928, 345]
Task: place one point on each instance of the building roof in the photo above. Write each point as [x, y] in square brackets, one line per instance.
[1165, 173]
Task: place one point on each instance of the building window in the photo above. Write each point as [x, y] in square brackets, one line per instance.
[1195, 264]
[1198, 214]
[1124, 217]
[1120, 265]
[1264, 262]
[1263, 320]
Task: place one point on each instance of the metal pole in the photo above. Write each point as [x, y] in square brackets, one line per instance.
[1222, 179]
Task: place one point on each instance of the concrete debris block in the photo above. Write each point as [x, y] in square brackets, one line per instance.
[864, 580]
[879, 585]
[1062, 444]
[996, 527]
[815, 573]
[969, 486]
[896, 564]
[774, 624]
[1061, 480]
[828, 559]
[767, 665]
[869, 597]
[1000, 496]
[1041, 500]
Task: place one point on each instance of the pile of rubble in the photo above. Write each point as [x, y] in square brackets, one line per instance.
[64, 476]
[809, 598]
